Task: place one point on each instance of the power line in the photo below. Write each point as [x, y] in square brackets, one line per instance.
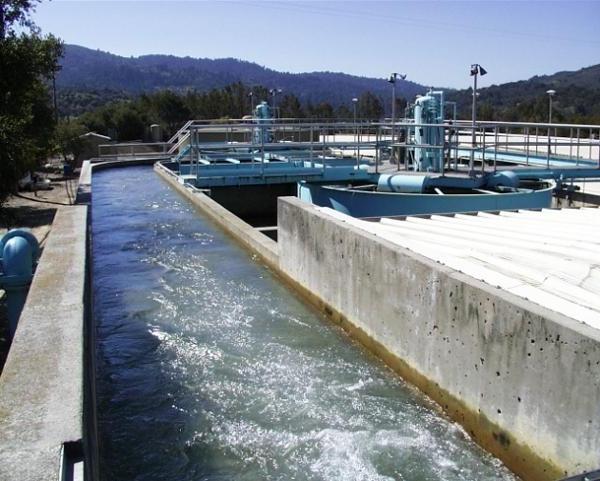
[407, 21]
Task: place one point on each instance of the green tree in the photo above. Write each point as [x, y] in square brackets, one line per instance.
[369, 106]
[171, 110]
[27, 61]
[69, 143]
[344, 113]
[290, 107]
[322, 110]
[129, 122]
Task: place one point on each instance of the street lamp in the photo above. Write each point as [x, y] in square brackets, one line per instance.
[476, 70]
[551, 94]
[354, 103]
[251, 95]
[393, 78]
[273, 93]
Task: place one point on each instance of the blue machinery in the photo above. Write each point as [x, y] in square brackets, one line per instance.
[512, 165]
[429, 110]
[19, 251]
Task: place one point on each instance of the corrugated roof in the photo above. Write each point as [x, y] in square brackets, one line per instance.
[550, 257]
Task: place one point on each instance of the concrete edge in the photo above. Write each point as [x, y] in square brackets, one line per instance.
[244, 233]
[522, 459]
[47, 393]
[553, 316]
[518, 456]
[41, 387]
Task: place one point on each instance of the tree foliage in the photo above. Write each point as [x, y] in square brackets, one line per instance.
[69, 141]
[370, 106]
[27, 62]
[131, 119]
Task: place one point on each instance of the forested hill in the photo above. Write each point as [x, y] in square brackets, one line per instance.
[91, 78]
[577, 98]
[88, 76]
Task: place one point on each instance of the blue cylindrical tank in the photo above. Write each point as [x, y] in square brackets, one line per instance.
[402, 183]
[263, 117]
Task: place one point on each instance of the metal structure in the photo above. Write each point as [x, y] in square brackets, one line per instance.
[457, 165]
[500, 145]
[429, 116]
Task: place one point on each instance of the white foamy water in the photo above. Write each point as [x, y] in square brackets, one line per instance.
[209, 369]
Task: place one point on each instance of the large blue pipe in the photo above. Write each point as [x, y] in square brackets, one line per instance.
[19, 250]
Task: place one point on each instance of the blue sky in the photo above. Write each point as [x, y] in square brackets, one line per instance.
[432, 42]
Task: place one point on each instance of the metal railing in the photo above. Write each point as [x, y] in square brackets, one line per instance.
[524, 143]
[133, 150]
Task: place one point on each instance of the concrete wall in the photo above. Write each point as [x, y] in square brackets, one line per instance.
[522, 380]
[47, 387]
[41, 388]
[244, 233]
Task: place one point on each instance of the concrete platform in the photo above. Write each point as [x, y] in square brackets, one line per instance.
[550, 257]
[515, 366]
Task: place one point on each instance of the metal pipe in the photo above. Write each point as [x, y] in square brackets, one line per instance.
[483, 152]
[19, 251]
[377, 150]
[495, 147]
[527, 145]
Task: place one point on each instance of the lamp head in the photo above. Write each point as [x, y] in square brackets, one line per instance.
[477, 69]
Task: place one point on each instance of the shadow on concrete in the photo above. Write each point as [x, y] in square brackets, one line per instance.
[26, 216]
[4, 340]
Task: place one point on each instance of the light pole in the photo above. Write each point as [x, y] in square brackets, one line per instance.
[551, 94]
[393, 78]
[273, 93]
[251, 95]
[476, 69]
[354, 103]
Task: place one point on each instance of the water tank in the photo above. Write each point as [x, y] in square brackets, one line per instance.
[429, 109]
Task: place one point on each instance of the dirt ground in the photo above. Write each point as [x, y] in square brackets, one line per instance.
[35, 211]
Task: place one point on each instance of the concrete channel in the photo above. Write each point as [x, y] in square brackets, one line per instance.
[47, 399]
[462, 343]
[468, 346]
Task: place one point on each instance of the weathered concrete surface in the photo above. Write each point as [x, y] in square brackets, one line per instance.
[41, 388]
[244, 233]
[523, 380]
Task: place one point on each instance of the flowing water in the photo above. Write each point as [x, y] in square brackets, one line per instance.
[209, 369]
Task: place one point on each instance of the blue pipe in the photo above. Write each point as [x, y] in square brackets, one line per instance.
[19, 250]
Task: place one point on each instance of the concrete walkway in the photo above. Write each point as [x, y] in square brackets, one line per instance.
[551, 258]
